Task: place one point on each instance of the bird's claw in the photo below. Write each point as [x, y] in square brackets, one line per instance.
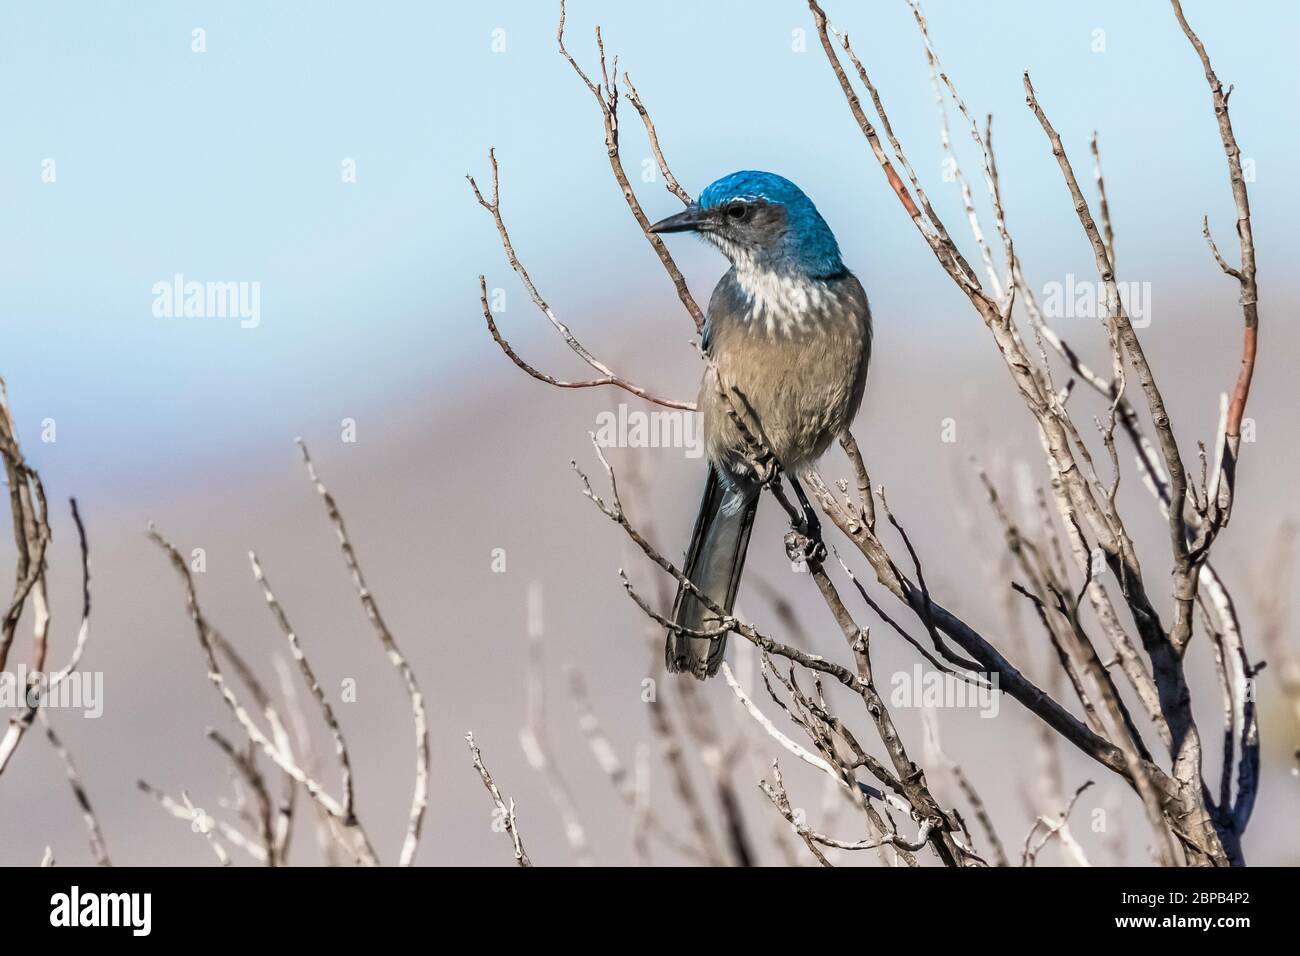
[804, 550]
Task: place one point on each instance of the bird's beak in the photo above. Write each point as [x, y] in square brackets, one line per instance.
[691, 219]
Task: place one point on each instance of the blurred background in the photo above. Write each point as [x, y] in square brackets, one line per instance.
[321, 151]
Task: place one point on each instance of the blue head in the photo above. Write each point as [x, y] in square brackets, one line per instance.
[761, 220]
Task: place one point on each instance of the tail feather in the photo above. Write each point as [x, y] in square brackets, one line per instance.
[713, 564]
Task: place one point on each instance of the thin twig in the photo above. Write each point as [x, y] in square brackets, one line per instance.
[507, 812]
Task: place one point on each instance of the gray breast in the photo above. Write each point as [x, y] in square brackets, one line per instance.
[795, 359]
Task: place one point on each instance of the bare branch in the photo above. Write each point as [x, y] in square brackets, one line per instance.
[309, 678]
[98, 848]
[606, 95]
[507, 812]
[1053, 828]
[359, 843]
[246, 768]
[420, 798]
[1245, 275]
[608, 379]
[533, 736]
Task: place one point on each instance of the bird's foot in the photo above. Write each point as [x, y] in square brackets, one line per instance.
[805, 551]
[803, 543]
[811, 527]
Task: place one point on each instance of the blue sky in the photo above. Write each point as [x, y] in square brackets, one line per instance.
[225, 165]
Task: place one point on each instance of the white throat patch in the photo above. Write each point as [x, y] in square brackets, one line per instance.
[781, 301]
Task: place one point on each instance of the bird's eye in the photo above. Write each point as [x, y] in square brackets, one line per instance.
[739, 211]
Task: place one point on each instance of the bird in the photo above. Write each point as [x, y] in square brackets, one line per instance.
[787, 337]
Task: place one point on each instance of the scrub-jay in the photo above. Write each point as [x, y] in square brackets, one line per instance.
[789, 335]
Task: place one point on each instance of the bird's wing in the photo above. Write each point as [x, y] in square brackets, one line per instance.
[725, 295]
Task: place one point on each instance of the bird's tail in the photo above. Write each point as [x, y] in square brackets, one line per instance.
[713, 564]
